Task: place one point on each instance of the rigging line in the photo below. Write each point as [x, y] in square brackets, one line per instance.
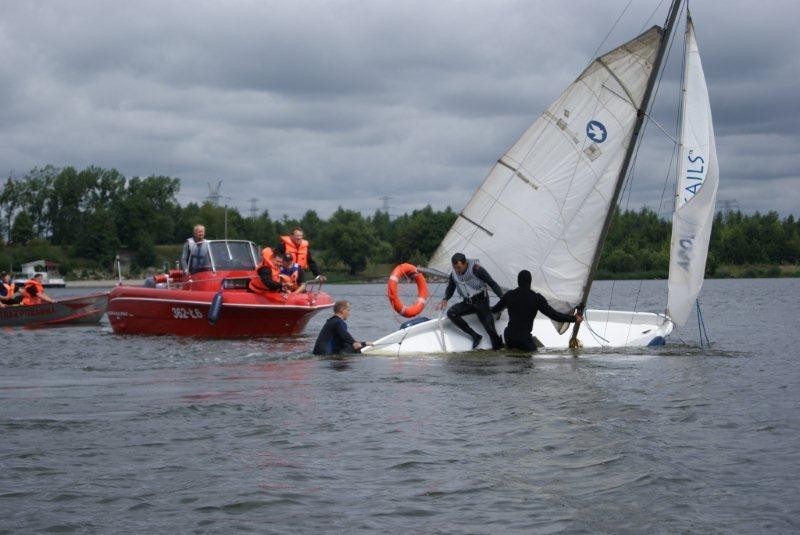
[610, 301]
[635, 305]
[603, 42]
[650, 119]
[594, 333]
[652, 14]
[676, 146]
[699, 323]
[629, 180]
[704, 332]
[666, 180]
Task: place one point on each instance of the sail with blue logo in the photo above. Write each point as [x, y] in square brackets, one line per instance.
[696, 191]
[543, 205]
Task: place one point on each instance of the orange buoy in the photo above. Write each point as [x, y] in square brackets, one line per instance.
[410, 271]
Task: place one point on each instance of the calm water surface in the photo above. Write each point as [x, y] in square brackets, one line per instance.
[106, 433]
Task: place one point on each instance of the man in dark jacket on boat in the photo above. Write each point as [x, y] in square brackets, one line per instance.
[523, 304]
[471, 281]
[334, 337]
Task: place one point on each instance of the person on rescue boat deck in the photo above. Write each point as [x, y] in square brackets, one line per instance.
[523, 304]
[298, 247]
[471, 281]
[194, 256]
[292, 275]
[334, 338]
[268, 273]
[8, 295]
[33, 292]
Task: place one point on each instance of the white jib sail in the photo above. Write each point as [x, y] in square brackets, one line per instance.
[543, 205]
[696, 191]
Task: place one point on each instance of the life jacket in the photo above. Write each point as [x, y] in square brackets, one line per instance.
[468, 284]
[198, 255]
[256, 283]
[299, 253]
[31, 292]
[9, 289]
[291, 275]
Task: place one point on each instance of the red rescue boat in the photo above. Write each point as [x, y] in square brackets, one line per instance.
[181, 305]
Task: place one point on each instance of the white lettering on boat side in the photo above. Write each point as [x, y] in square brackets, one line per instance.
[182, 313]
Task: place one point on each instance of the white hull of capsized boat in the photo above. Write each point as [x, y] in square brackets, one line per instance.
[601, 328]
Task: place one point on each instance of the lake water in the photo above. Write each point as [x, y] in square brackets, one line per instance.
[106, 433]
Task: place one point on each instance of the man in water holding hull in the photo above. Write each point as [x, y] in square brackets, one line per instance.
[471, 281]
[523, 304]
[334, 338]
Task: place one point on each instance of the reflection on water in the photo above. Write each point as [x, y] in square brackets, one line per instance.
[172, 434]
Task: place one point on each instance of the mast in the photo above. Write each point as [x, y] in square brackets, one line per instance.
[641, 113]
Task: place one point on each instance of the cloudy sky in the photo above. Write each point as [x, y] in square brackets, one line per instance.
[318, 104]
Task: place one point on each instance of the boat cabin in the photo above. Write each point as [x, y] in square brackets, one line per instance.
[232, 265]
[233, 255]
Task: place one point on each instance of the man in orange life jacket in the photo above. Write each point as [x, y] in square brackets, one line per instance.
[296, 246]
[33, 291]
[268, 271]
[8, 295]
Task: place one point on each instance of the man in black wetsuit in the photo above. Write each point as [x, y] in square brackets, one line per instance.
[334, 337]
[471, 281]
[523, 304]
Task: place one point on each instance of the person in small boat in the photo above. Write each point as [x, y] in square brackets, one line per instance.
[268, 273]
[8, 294]
[471, 281]
[194, 256]
[297, 246]
[523, 304]
[33, 291]
[334, 338]
[292, 275]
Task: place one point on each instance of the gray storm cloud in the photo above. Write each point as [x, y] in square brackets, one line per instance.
[312, 105]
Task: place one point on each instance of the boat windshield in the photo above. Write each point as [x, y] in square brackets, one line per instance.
[227, 255]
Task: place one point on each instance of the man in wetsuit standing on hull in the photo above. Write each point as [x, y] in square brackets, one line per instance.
[471, 282]
[523, 304]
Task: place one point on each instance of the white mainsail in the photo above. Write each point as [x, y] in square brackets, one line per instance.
[696, 190]
[543, 205]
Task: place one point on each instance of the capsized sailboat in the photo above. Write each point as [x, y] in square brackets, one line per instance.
[547, 204]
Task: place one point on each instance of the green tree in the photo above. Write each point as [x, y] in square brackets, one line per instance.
[261, 230]
[99, 241]
[145, 214]
[311, 225]
[67, 203]
[382, 225]
[22, 230]
[348, 239]
[35, 192]
[416, 236]
[9, 201]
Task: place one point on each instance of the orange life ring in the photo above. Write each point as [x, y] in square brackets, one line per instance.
[407, 270]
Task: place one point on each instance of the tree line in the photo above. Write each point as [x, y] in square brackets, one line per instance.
[84, 219]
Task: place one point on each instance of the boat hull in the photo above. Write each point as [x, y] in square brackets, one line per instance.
[601, 328]
[85, 309]
[156, 311]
